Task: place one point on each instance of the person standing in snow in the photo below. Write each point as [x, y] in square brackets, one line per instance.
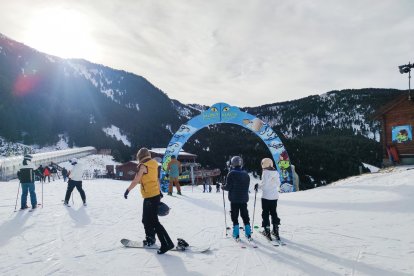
[46, 173]
[237, 185]
[270, 194]
[26, 177]
[64, 174]
[174, 170]
[147, 176]
[75, 180]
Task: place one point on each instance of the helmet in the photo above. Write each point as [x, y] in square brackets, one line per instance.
[267, 163]
[236, 161]
[73, 161]
[163, 209]
[28, 157]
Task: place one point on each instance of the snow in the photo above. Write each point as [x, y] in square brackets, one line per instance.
[358, 226]
[373, 169]
[115, 132]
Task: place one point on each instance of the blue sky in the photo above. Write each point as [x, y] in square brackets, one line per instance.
[245, 53]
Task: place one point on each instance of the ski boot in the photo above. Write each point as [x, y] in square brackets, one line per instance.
[24, 207]
[275, 232]
[266, 233]
[248, 231]
[179, 193]
[236, 232]
[149, 241]
[170, 194]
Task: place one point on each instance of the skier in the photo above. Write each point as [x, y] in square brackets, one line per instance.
[46, 173]
[64, 174]
[147, 176]
[270, 185]
[237, 184]
[174, 170]
[75, 180]
[26, 177]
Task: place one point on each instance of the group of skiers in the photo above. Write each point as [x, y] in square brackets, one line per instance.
[237, 184]
[27, 177]
[49, 171]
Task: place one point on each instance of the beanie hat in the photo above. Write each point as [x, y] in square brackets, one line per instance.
[143, 154]
[267, 163]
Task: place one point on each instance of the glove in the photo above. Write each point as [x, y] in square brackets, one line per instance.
[222, 186]
[126, 194]
[256, 187]
[161, 195]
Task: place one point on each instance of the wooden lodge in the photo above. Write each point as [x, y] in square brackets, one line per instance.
[397, 122]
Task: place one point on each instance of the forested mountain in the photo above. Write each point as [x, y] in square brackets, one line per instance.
[45, 97]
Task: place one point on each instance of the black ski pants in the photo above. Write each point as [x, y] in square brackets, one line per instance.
[269, 208]
[151, 223]
[71, 185]
[241, 208]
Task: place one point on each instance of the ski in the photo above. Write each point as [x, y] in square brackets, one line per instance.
[278, 240]
[250, 240]
[240, 242]
[272, 242]
[190, 249]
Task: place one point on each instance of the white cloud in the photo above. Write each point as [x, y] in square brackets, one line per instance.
[245, 53]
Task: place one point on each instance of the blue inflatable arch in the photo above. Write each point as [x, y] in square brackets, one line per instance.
[221, 113]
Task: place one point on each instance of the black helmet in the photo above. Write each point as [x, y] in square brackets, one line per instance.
[236, 161]
[163, 209]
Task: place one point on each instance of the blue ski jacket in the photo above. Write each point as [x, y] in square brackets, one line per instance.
[237, 184]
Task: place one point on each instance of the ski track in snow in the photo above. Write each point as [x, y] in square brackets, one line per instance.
[357, 226]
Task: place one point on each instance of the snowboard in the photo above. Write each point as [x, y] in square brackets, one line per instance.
[138, 244]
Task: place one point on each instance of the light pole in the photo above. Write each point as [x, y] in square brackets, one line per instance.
[407, 69]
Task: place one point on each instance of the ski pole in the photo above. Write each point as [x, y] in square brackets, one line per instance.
[42, 194]
[73, 202]
[17, 197]
[254, 207]
[225, 218]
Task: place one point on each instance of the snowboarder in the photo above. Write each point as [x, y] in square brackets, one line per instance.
[75, 180]
[270, 185]
[174, 170]
[26, 177]
[237, 184]
[147, 176]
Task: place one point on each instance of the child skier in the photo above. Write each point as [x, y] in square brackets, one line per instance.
[237, 184]
[270, 185]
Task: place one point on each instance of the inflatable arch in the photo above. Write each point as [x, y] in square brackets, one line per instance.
[221, 113]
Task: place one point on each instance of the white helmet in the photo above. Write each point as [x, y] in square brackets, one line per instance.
[267, 163]
[73, 161]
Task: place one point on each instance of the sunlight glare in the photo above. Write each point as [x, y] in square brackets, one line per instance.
[62, 32]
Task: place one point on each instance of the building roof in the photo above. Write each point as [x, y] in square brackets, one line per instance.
[182, 153]
[377, 115]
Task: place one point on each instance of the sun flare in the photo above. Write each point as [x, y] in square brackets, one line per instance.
[62, 32]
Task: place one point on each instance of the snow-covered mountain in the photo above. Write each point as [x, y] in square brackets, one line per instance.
[45, 98]
[358, 226]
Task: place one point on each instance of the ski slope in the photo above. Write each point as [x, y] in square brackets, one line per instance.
[358, 226]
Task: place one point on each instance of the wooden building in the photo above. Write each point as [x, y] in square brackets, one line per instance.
[397, 122]
[127, 170]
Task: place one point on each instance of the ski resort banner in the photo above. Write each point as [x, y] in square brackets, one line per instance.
[402, 134]
[224, 113]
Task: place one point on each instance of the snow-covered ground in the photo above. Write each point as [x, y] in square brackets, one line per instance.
[359, 226]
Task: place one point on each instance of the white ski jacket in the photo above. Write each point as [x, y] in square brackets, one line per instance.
[270, 184]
